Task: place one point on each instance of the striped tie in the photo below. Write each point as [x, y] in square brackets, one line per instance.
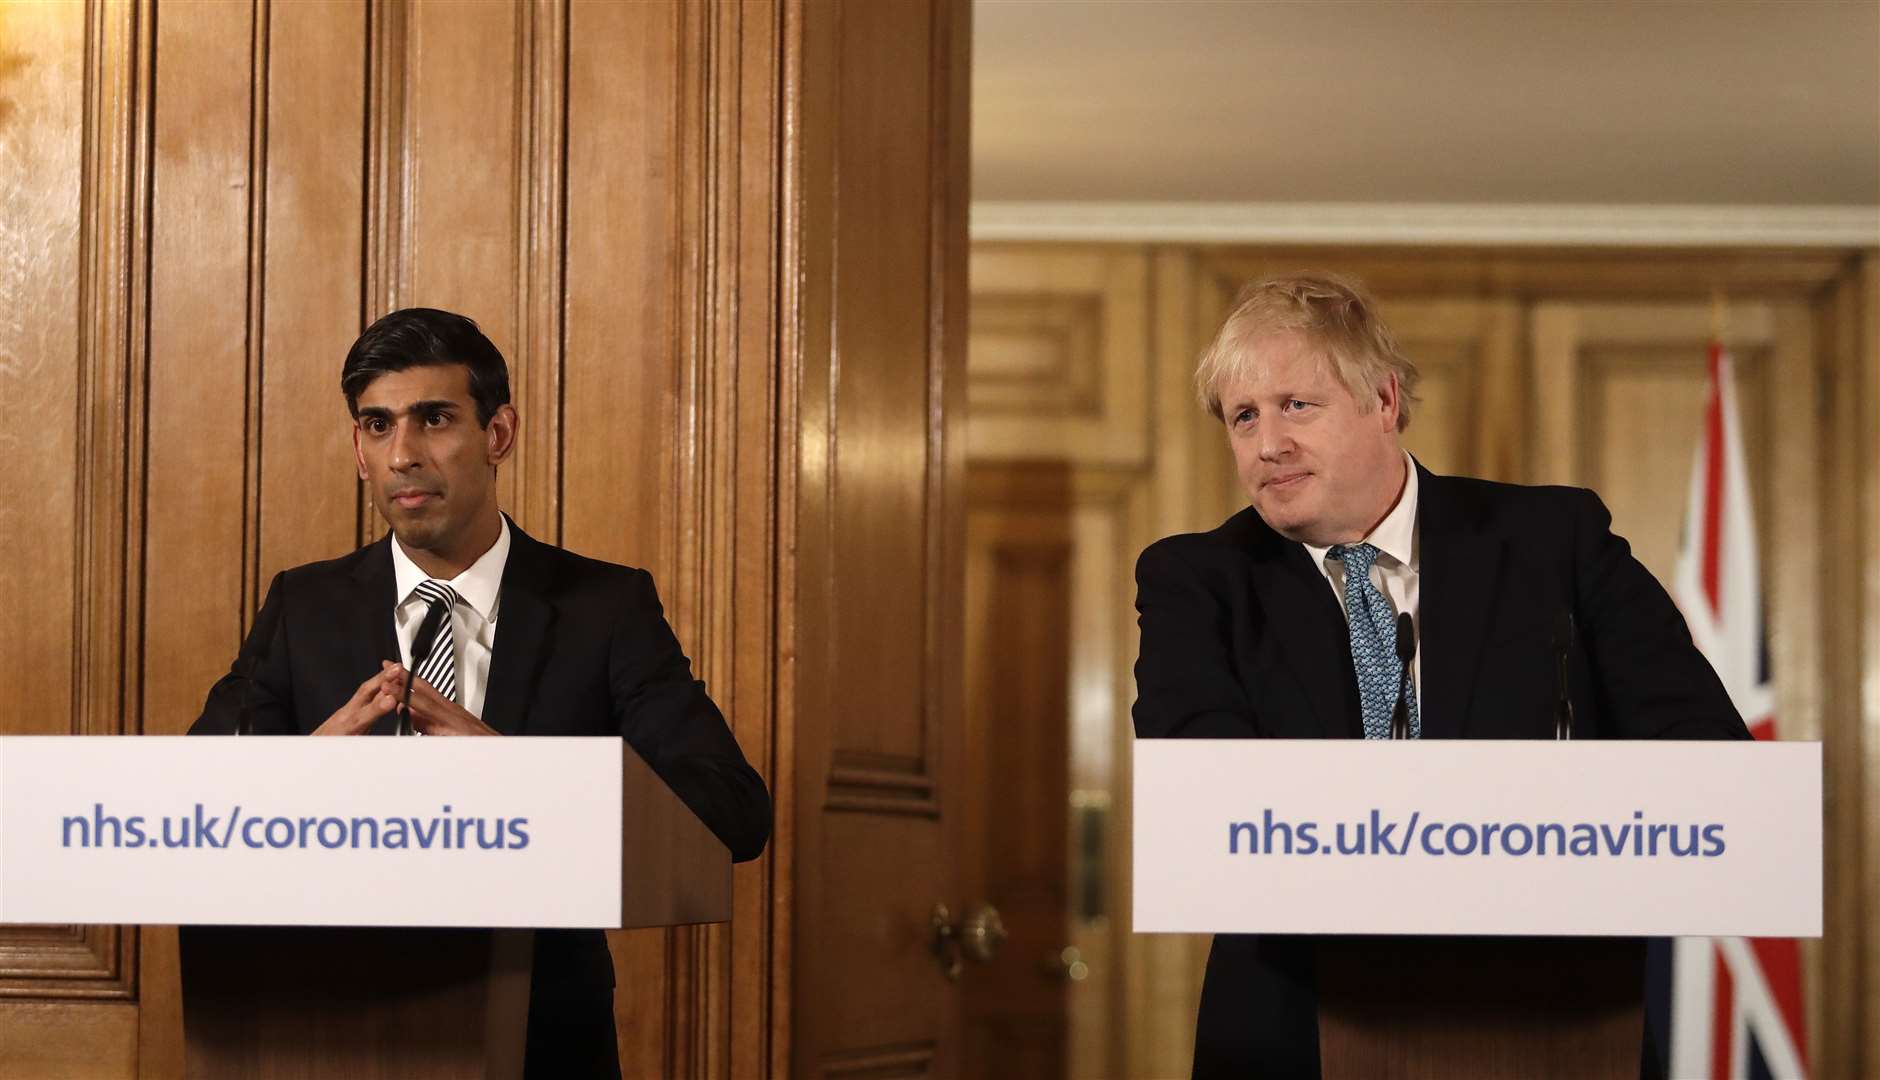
[439, 669]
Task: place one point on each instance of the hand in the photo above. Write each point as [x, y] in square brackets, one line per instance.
[374, 698]
[434, 714]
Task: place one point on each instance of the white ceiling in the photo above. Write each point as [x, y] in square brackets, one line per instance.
[1427, 102]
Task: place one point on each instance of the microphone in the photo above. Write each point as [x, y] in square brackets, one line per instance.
[1563, 698]
[421, 644]
[1406, 652]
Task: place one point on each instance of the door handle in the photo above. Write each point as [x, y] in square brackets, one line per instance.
[976, 937]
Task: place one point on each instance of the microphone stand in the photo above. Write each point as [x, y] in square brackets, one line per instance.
[1563, 699]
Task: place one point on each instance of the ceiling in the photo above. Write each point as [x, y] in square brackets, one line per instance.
[1258, 101]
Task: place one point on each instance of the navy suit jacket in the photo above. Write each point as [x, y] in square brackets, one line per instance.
[1243, 638]
[582, 648]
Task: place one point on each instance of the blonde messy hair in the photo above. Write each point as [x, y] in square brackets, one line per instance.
[1333, 312]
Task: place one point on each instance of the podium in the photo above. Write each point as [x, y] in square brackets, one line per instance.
[1481, 1007]
[313, 1002]
[355, 908]
[1478, 908]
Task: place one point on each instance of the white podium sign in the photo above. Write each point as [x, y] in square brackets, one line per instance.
[1477, 837]
[333, 832]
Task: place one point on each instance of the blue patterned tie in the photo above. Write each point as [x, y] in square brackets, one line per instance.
[1373, 628]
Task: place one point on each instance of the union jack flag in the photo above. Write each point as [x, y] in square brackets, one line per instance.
[1727, 1008]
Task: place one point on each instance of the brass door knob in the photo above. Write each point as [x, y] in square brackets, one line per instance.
[982, 932]
[977, 937]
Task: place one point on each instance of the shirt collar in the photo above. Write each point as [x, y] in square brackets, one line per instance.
[1395, 536]
[477, 586]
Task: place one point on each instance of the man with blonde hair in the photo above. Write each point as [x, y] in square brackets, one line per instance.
[1283, 621]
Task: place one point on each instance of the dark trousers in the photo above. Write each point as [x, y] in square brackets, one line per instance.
[1259, 1014]
[572, 1037]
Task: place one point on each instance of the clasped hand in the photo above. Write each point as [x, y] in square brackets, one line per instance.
[431, 712]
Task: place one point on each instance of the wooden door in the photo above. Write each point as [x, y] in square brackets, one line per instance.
[877, 536]
[1059, 419]
[1020, 549]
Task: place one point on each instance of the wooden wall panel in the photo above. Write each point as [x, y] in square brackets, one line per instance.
[1863, 357]
[622, 373]
[621, 377]
[531, 486]
[303, 492]
[202, 274]
[1620, 392]
[597, 184]
[881, 391]
[1056, 368]
[207, 200]
[463, 171]
[48, 1041]
[43, 84]
[1468, 354]
[71, 87]
[737, 1025]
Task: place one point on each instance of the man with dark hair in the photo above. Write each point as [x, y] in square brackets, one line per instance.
[417, 337]
[583, 647]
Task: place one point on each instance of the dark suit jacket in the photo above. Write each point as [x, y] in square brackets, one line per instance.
[1242, 638]
[581, 649]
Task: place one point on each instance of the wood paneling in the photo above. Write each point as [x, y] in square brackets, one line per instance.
[77, 94]
[42, 146]
[881, 389]
[206, 204]
[465, 99]
[1836, 1014]
[1582, 367]
[1056, 369]
[62, 1042]
[312, 299]
[875, 630]
[621, 302]
[1864, 867]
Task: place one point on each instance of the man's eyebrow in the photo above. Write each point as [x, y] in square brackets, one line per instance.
[416, 408]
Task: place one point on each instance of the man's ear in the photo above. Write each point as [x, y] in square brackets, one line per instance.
[500, 434]
[1389, 401]
[359, 454]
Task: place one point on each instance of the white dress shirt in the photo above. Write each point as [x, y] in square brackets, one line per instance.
[1397, 569]
[472, 620]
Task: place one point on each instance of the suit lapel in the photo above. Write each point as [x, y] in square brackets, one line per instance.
[1317, 645]
[1458, 579]
[524, 616]
[371, 635]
